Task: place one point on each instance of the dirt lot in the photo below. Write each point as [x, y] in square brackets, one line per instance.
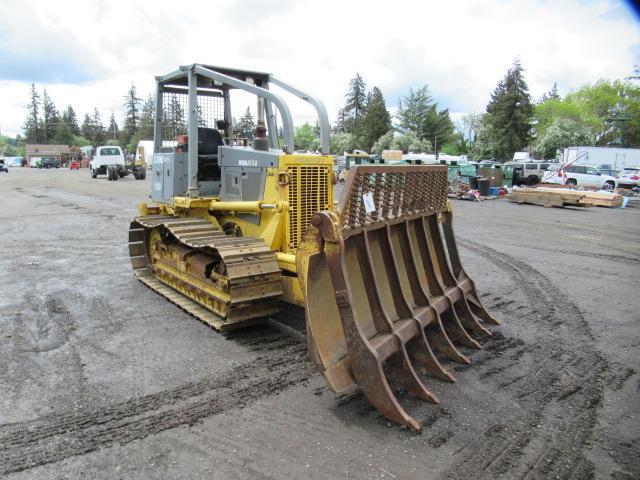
[102, 378]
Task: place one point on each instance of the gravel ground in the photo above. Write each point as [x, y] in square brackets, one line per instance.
[102, 378]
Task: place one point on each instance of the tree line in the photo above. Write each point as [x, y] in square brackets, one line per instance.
[45, 124]
[606, 113]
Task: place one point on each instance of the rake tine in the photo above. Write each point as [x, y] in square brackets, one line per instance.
[427, 360]
[405, 374]
[449, 317]
[424, 256]
[458, 271]
[402, 368]
[476, 306]
[428, 314]
[376, 389]
[443, 343]
[455, 330]
[468, 318]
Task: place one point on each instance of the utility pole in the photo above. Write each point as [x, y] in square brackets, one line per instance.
[1, 144]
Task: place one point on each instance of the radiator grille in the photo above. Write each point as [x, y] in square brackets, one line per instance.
[308, 194]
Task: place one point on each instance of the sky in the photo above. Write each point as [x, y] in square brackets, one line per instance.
[86, 54]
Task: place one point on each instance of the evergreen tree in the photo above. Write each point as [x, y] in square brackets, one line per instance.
[551, 94]
[356, 102]
[64, 135]
[50, 117]
[112, 131]
[354, 108]
[92, 129]
[509, 114]
[99, 132]
[87, 129]
[147, 117]
[31, 128]
[418, 114]
[375, 122]
[174, 118]
[132, 115]
[69, 117]
[246, 127]
[341, 122]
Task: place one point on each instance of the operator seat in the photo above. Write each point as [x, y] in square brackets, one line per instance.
[209, 139]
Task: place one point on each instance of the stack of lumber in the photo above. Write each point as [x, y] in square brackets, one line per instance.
[562, 197]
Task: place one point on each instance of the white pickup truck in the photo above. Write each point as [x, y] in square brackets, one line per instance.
[109, 160]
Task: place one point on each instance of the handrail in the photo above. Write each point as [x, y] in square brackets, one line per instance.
[323, 118]
[285, 113]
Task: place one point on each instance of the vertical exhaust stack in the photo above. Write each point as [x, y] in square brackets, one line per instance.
[385, 292]
[261, 142]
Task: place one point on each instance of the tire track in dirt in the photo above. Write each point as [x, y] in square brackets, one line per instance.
[56, 437]
[558, 399]
[601, 256]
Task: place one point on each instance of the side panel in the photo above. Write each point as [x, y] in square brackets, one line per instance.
[245, 184]
[157, 183]
[169, 177]
[244, 172]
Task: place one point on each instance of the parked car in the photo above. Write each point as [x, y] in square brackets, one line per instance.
[3, 167]
[629, 177]
[529, 173]
[580, 175]
[487, 163]
[74, 165]
[49, 162]
[607, 170]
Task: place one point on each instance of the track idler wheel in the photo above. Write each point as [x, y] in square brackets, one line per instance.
[385, 292]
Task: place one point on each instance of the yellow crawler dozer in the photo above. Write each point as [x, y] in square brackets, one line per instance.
[233, 230]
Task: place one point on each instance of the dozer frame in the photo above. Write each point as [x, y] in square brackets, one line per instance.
[232, 230]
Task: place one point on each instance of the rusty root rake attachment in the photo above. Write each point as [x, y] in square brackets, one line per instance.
[384, 286]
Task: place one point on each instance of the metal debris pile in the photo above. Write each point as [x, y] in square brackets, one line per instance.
[458, 188]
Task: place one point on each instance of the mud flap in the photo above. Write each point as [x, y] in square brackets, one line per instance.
[385, 291]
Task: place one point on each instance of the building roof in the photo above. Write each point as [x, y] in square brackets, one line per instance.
[47, 149]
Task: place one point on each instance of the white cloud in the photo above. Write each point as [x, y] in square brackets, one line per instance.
[461, 49]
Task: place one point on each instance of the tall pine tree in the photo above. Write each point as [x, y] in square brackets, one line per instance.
[99, 132]
[50, 117]
[132, 116]
[418, 114]
[174, 120]
[355, 106]
[69, 117]
[375, 122]
[92, 129]
[246, 126]
[509, 114]
[147, 117]
[112, 131]
[31, 128]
